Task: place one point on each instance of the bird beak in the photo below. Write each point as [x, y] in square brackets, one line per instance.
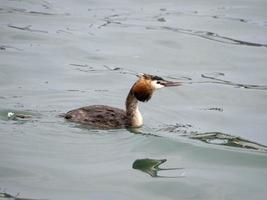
[170, 83]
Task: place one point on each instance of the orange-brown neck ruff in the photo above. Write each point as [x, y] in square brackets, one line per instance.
[141, 91]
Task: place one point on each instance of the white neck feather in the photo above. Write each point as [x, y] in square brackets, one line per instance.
[134, 116]
[137, 119]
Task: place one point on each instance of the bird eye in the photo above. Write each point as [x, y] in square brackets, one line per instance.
[158, 82]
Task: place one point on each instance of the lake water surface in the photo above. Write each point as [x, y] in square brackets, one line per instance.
[204, 140]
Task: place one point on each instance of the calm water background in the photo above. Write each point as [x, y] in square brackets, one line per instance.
[60, 55]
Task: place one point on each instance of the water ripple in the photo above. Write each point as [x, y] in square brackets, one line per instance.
[215, 138]
[238, 85]
[213, 79]
[213, 36]
[115, 20]
[27, 28]
[12, 197]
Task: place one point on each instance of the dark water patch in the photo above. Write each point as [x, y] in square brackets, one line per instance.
[86, 127]
[196, 13]
[83, 91]
[112, 68]
[139, 131]
[4, 195]
[213, 79]
[39, 13]
[214, 109]
[116, 69]
[182, 129]
[75, 90]
[224, 18]
[122, 70]
[114, 19]
[99, 9]
[238, 19]
[24, 11]
[151, 167]
[32, 12]
[16, 97]
[18, 105]
[27, 28]
[107, 22]
[232, 19]
[45, 5]
[81, 65]
[117, 16]
[161, 19]
[7, 47]
[101, 90]
[63, 31]
[179, 78]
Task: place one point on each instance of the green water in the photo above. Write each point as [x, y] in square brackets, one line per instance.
[203, 140]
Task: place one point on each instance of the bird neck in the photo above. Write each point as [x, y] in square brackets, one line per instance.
[133, 114]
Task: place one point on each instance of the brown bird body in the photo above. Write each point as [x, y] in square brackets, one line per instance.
[106, 117]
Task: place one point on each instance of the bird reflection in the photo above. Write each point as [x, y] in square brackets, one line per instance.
[151, 167]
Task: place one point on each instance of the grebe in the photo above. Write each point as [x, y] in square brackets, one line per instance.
[106, 117]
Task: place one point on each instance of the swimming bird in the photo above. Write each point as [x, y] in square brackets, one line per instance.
[106, 117]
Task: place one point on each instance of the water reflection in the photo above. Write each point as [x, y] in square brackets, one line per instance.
[151, 167]
[227, 140]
